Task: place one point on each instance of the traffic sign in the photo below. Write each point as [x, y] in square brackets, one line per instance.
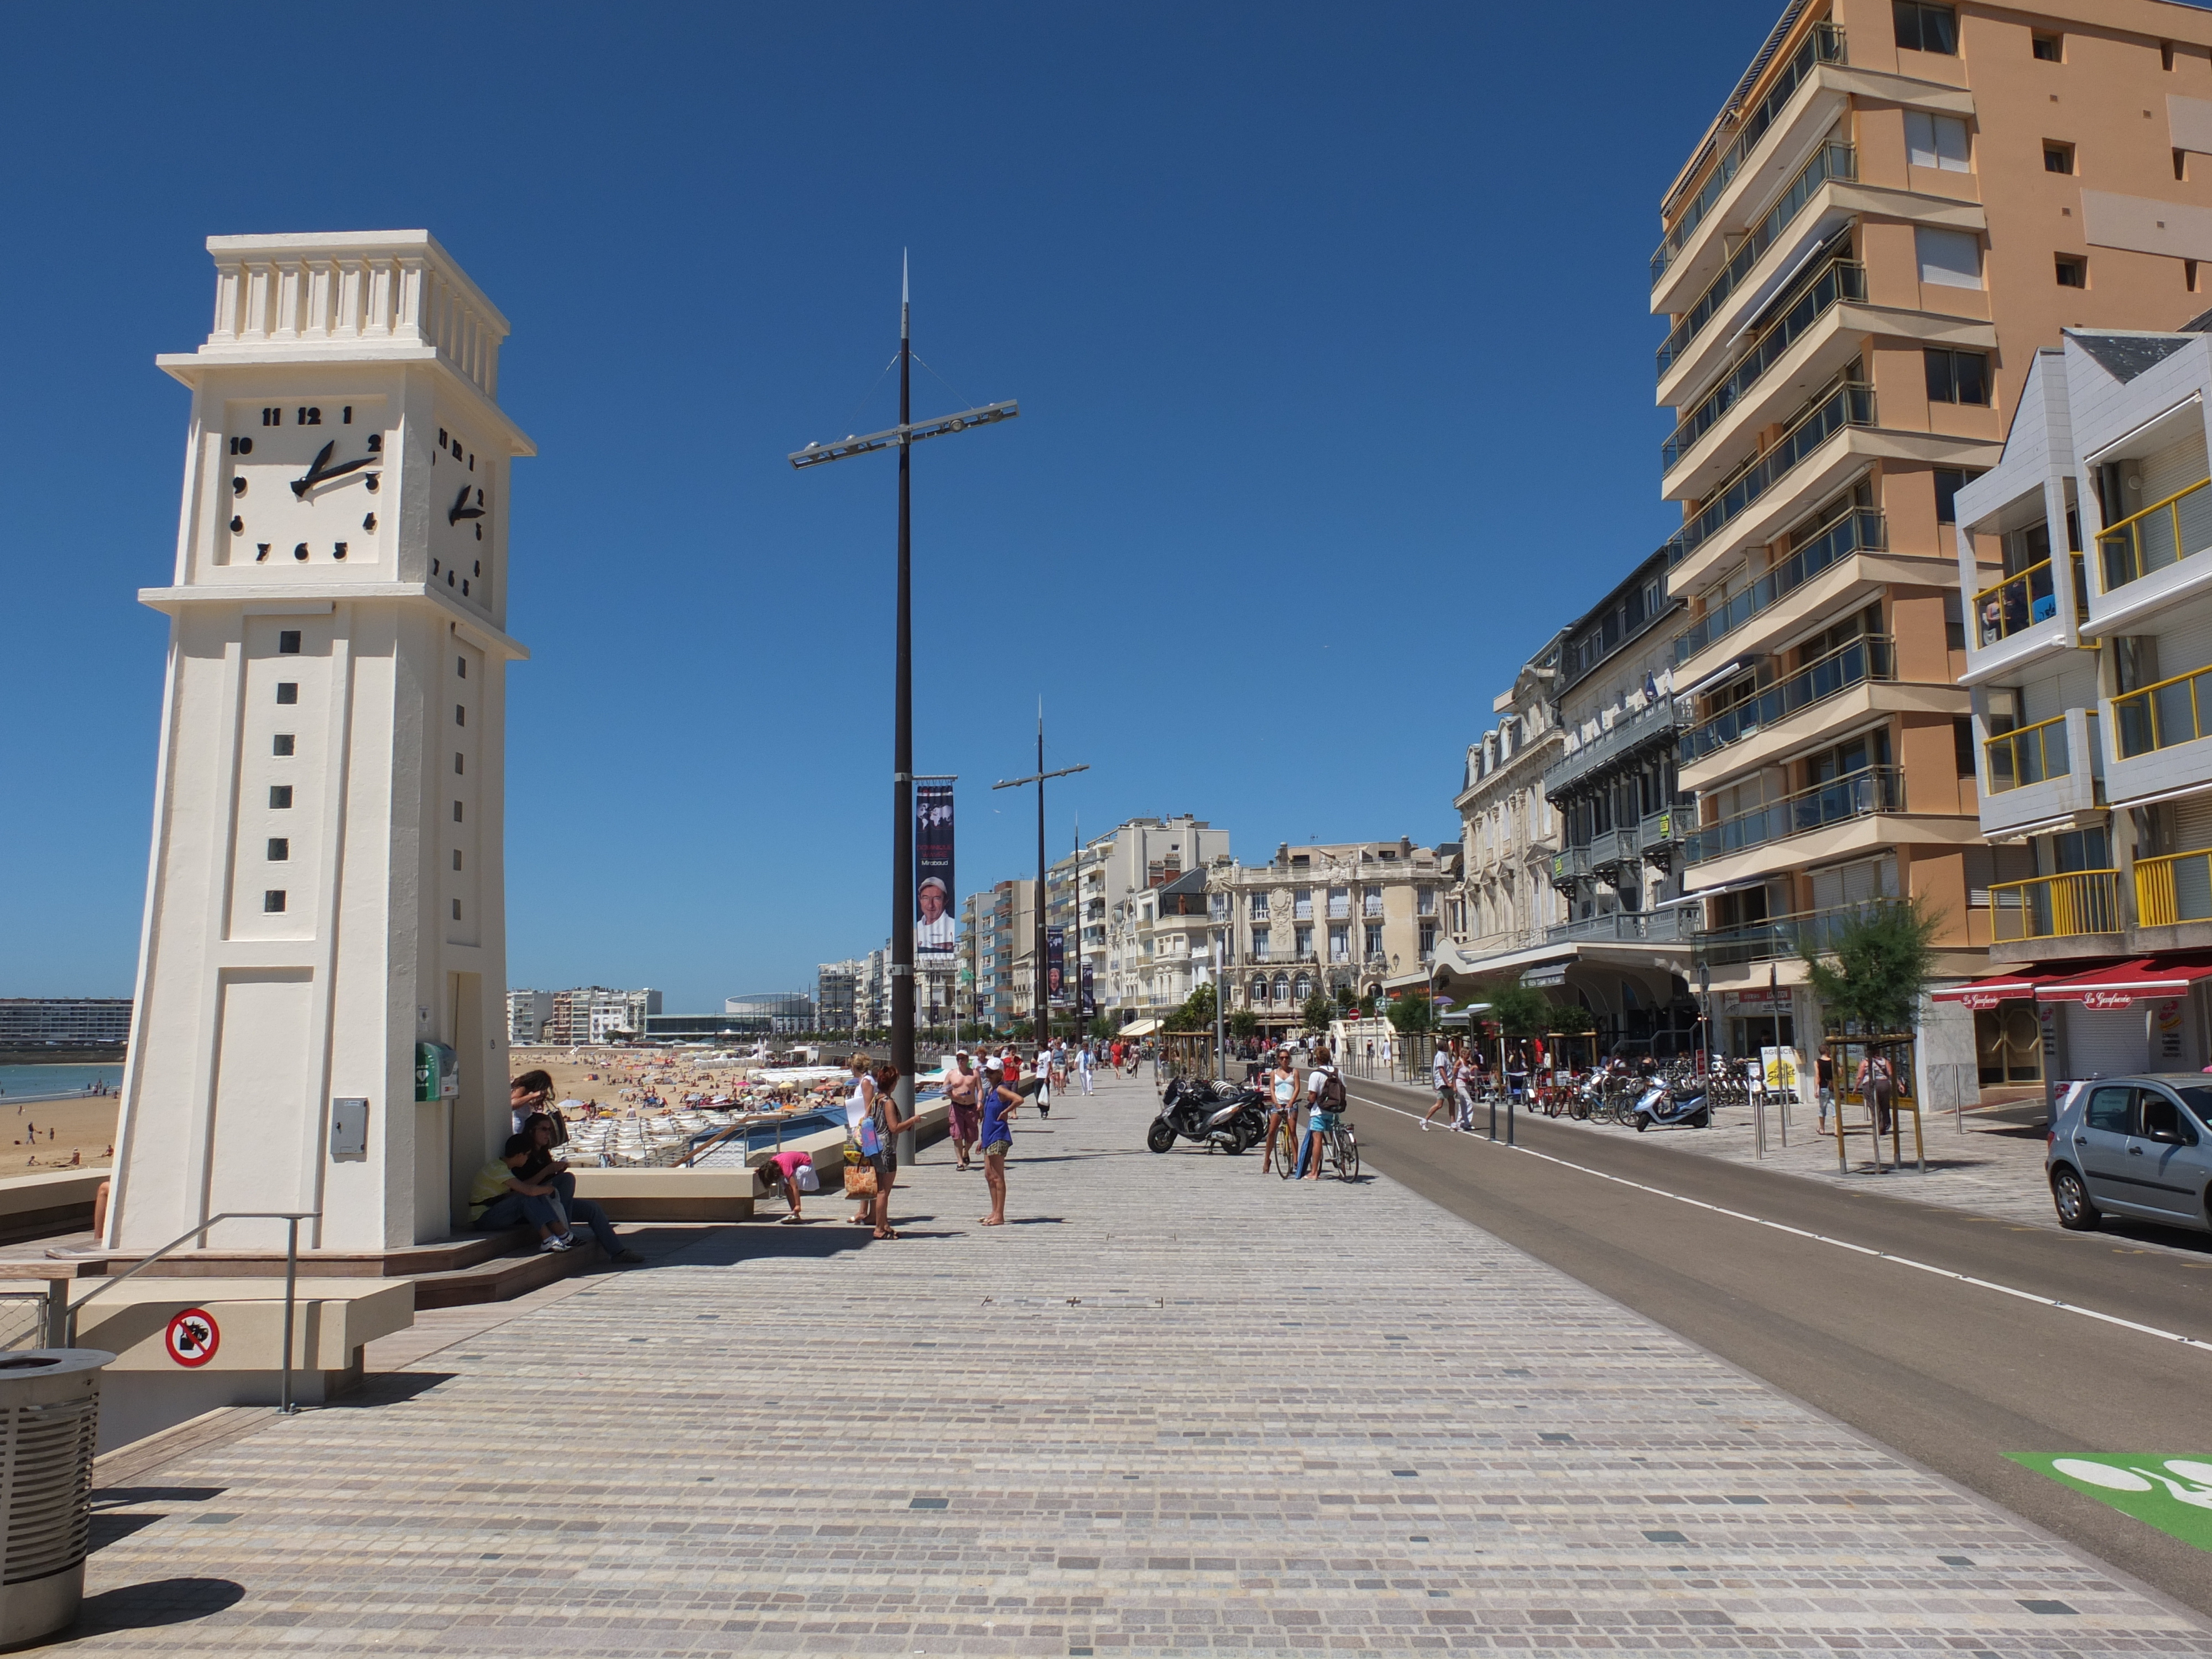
[193, 1337]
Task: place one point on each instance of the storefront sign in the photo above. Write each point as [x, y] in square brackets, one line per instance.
[2106, 1001]
[2166, 1029]
[1981, 1002]
[1760, 1003]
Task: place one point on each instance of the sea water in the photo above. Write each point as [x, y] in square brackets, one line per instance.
[17, 1082]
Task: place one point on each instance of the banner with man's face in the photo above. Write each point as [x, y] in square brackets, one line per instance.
[935, 927]
[1089, 996]
[1055, 966]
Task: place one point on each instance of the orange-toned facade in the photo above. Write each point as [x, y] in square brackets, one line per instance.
[1898, 201]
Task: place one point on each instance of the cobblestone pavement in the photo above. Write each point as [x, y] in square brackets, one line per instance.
[1174, 1408]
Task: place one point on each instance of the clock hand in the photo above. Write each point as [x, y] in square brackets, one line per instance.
[461, 509]
[330, 473]
[301, 486]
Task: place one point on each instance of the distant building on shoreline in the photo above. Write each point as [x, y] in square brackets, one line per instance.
[64, 1021]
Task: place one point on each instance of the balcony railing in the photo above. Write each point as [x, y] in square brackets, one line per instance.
[1810, 299]
[1859, 530]
[2156, 536]
[2031, 754]
[1779, 938]
[2056, 906]
[1677, 926]
[2021, 602]
[1660, 831]
[1849, 404]
[1612, 849]
[1570, 865]
[1824, 46]
[1869, 657]
[2161, 715]
[1860, 794]
[2175, 888]
[1653, 723]
[1832, 161]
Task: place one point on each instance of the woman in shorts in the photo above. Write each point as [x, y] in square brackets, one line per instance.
[780, 1173]
[1001, 1101]
[883, 1112]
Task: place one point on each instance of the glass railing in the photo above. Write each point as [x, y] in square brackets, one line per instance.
[1824, 46]
[1869, 657]
[1860, 530]
[1876, 789]
[1849, 404]
[2156, 536]
[1778, 939]
[1813, 298]
[1832, 161]
[2056, 906]
[2161, 715]
[2031, 754]
[2021, 602]
[2175, 888]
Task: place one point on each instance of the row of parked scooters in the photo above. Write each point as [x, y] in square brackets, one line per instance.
[1221, 1115]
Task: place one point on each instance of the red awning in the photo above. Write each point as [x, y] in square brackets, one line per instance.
[1988, 993]
[2123, 983]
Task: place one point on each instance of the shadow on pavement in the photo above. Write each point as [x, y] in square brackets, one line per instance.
[149, 1606]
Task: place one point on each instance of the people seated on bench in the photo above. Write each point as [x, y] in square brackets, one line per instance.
[526, 1182]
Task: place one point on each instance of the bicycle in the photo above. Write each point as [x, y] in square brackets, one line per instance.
[1341, 1147]
[1286, 1144]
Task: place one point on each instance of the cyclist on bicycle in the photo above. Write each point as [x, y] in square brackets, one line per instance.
[1282, 1088]
[1325, 1094]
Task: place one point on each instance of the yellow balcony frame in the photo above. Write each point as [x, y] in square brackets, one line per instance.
[2151, 705]
[2158, 900]
[2058, 907]
[2129, 531]
[2009, 743]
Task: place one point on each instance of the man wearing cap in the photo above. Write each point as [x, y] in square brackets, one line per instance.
[937, 930]
[963, 1092]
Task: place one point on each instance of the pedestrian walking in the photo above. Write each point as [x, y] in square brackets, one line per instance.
[860, 1104]
[1877, 1082]
[1001, 1101]
[1465, 1077]
[1083, 1065]
[1443, 1070]
[963, 1087]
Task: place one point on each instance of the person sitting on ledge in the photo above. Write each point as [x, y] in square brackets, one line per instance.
[540, 1134]
[497, 1201]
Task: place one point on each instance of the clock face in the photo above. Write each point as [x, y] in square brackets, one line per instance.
[303, 483]
[461, 504]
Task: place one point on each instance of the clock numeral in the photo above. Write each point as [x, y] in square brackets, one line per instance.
[434, 566]
[237, 526]
[348, 417]
[300, 551]
[368, 522]
[480, 533]
[472, 463]
[376, 443]
[263, 554]
[337, 549]
[310, 416]
[242, 446]
[479, 567]
[370, 480]
[238, 486]
[272, 417]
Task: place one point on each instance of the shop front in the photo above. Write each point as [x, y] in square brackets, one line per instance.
[2069, 1021]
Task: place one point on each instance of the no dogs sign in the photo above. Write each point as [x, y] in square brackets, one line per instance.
[193, 1337]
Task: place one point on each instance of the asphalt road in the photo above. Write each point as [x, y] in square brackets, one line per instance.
[1953, 1376]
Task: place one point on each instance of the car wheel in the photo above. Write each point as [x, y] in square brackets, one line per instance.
[1159, 1136]
[2076, 1212]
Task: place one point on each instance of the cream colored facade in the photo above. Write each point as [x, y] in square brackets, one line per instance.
[1343, 915]
[1508, 832]
[1900, 207]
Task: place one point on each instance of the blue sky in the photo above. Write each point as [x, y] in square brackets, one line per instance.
[1328, 326]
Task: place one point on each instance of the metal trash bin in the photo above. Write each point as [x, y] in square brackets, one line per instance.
[49, 1422]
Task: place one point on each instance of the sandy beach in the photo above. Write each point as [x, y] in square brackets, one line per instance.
[80, 1126]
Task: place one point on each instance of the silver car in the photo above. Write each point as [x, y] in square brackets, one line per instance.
[2136, 1147]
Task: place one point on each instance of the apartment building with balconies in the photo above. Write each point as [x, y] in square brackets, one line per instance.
[2089, 581]
[1362, 917]
[1123, 866]
[1901, 204]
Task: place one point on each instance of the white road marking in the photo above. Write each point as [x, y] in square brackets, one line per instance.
[1839, 1244]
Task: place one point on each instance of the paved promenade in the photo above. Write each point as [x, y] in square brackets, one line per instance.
[1174, 1408]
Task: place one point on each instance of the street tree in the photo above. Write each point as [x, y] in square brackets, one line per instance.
[1319, 1011]
[1412, 1012]
[1243, 1023]
[1876, 965]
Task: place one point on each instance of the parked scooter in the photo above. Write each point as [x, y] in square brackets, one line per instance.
[1215, 1114]
[1659, 1104]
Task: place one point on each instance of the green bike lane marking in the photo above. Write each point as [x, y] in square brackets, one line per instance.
[2173, 1494]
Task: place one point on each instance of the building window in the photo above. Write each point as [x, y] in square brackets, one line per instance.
[287, 691]
[457, 763]
[1259, 943]
[1302, 904]
[1339, 902]
[282, 745]
[1374, 940]
[1948, 258]
[1282, 988]
[461, 666]
[1425, 901]
[1259, 907]
[280, 796]
[1958, 377]
[1936, 141]
[457, 910]
[1428, 940]
[457, 811]
[1302, 941]
[279, 849]
[1340, 944]
[2073, 271]
[272, 902]
[1948, 483]
[456, 858]
[2051, 48]
[288, 642]
[2058, 156]
[1259, 992]
[1962, 744]
[1923, 27]
[1371, 902]
[1302, 988]
[460, 715]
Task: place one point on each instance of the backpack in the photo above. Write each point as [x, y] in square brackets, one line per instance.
[1333, 1097]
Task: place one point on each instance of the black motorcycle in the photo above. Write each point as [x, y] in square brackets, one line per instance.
[1220, 1115]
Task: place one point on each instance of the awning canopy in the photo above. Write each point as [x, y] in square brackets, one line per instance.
[1142, 1027]
[1988, 993]
[2121, 984]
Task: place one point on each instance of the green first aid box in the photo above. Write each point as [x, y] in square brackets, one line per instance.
[437, 1071]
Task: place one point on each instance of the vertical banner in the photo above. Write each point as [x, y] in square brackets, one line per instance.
[936, 927]
[1055, 966]
[1090, 995]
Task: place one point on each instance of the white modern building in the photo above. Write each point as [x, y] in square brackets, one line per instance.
[527, 1014]
[327, 893]
[61, 1021]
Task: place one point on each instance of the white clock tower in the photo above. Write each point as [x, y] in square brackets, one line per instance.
[326, 894]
